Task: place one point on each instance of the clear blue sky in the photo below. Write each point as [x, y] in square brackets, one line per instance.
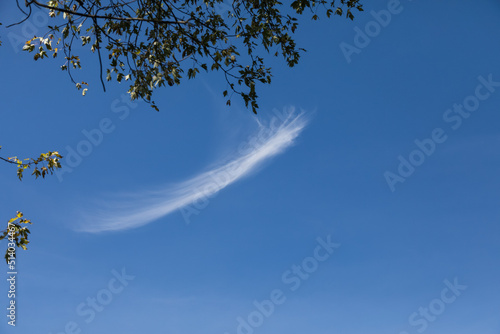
[404, 257]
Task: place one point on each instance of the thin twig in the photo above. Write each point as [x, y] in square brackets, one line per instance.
[108, 17]
[9, 161]
[27, 17]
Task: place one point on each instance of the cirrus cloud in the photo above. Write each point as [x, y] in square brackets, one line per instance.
[147, 206]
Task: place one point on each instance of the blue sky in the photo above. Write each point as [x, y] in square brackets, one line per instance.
[311, 172]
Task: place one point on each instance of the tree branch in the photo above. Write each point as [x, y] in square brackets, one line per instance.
[9, 161]
[108, 17]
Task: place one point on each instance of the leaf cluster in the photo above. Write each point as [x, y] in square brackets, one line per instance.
[45, 164]
[16, 234]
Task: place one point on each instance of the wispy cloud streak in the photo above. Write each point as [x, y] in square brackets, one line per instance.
[145, 207]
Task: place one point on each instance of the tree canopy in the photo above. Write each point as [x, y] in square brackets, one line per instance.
[153, 43]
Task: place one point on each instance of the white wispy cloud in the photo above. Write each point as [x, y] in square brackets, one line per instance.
[147, 206]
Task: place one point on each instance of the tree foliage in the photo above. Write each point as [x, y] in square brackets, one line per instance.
[45, 164]
[153, 43]
[16, 234]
